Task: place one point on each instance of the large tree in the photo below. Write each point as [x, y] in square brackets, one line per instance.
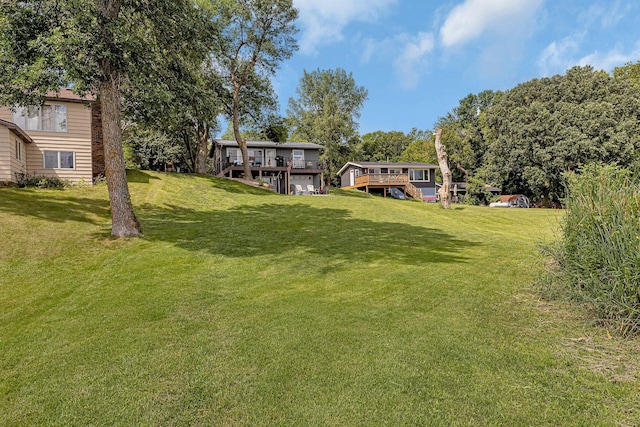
[462, 133]
[253, 37]
[184, 104]
[381, 146]
[326, 113]
[98, 46]
[545, 127]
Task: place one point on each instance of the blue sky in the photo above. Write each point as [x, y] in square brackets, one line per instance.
[418, 58]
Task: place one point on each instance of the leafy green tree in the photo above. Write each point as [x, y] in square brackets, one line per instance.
[421, 147]
[381, 146]
[629, 71]
[545, 127]
[253, 38]
[150, 149]
[107, 47]
[326, 113]
[273, 129]
[462, 133]
[185, 103]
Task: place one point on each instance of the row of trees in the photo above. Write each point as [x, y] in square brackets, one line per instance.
[524, 140]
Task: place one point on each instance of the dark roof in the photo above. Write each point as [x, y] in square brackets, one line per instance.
[69, 96]
[270, 144]
[404, 165]
[17, 130]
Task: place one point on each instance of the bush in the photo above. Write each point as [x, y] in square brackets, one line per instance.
[598, 255]
[24, 179]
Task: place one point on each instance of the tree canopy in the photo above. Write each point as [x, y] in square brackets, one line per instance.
[545, 127]
[326, 112]
[107, 47]
[253, 38]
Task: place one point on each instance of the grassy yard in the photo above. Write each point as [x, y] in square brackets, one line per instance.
[242, 307]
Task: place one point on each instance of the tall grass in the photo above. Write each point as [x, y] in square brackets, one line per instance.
[598, 253]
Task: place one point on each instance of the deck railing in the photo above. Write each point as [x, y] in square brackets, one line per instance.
[390, 179]
[382, 179]
[272, 163]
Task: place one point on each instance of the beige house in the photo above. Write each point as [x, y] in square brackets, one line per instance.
[62, 138]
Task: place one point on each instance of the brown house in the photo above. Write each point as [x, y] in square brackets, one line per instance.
[62, 138]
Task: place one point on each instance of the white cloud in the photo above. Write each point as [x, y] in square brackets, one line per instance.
[557, 57]
[473, 18]
[322, 21]
[413, 57]
[608, 14]
[607, 61]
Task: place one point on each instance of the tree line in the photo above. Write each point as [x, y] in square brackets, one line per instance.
[524, 140]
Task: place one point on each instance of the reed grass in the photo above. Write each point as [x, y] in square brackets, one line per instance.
[598, 252]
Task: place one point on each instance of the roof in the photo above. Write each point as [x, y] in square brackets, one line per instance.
[17, 130]
[405, 165]
[68, 95]
[270, 144]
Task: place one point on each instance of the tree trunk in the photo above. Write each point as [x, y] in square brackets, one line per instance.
[445, 191]
[203, 139]
[123, 219]
[242, 143]
[466, 173]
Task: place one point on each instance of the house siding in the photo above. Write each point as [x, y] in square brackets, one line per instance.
[345, 178]
[9, 163]
[5, 155]
[77, 138]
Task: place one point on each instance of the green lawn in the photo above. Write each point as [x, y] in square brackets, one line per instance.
[242, 307]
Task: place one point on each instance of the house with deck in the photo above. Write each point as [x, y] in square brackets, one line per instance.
[285, 166]
[60, 139]
[416, 180]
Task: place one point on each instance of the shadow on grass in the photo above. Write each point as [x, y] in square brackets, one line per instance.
[138, 176]
[350, 193]
[52, 206]
[235, 187]
[314, 234]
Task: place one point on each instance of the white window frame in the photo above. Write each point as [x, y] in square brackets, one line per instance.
[58, 120]
[425, 172]
[59, 159]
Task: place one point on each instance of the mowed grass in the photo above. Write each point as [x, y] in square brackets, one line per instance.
[243, 307]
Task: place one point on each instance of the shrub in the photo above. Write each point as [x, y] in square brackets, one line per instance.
[598, 254]
[24, 179]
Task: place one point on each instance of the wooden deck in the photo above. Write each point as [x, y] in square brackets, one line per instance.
[387, 181]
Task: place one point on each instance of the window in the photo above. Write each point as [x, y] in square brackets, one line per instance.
[59, 159]
[419, 175]
[18, 150]
[51, 118]
[298, 159]
[235, 156]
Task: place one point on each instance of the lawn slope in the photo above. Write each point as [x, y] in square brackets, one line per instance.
[243, 307]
